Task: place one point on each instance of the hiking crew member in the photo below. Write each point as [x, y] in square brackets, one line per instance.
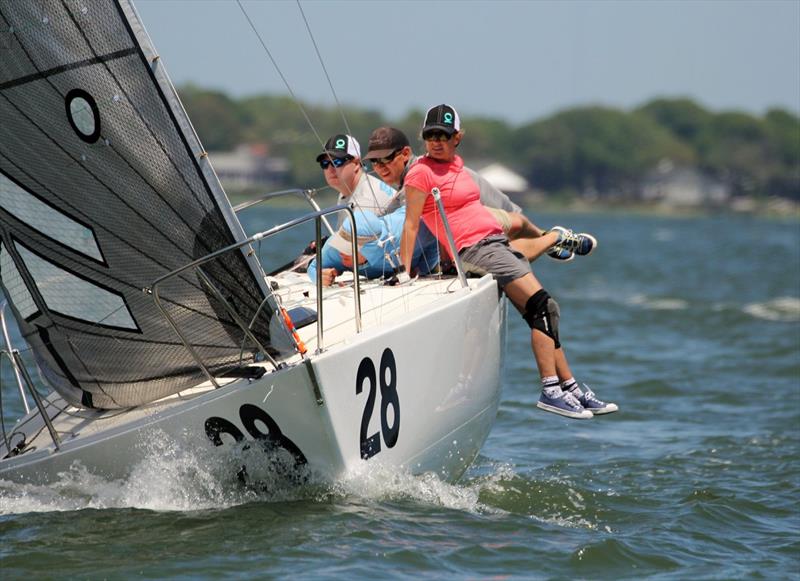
[484, 248]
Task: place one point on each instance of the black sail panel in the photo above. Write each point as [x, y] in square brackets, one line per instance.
[104, 188]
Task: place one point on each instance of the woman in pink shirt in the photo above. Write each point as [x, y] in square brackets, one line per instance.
[484, 249]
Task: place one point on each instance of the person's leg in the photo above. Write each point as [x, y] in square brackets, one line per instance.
[527, 238]
[533, 248]
[522, 227]
[518, 292]
[530, 240]
[523, 292]
[562, 367]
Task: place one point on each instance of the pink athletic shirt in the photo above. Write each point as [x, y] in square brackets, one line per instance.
[469, 220]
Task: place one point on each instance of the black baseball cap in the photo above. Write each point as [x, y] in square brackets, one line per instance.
[340, 146]
[442, 117]
[384, 141]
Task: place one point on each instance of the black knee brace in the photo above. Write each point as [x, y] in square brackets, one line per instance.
[542, 313]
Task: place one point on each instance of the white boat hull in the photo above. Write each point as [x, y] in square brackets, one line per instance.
[420, 393]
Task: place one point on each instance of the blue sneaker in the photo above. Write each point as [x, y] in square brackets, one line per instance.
[581, 244]
[560, 253]
[590, 402]
[564, 404]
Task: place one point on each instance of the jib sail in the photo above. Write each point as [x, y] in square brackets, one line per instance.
[103, 189]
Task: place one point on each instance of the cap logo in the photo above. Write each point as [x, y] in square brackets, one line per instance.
[340, 143]
[448, 117]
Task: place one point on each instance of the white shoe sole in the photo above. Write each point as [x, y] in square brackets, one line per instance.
[609, 409]
[584, 415]
[594, 243]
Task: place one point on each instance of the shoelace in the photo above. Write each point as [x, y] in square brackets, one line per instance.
[588, 394]
[590, 397]
[570, 240]
[572, 401]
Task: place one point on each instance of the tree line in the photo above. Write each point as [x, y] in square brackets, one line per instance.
[591, 149]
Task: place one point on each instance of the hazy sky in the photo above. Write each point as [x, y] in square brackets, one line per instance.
[516, 60]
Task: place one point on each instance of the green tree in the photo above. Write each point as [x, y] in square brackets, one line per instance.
[738, 151]
[595, 149]
[216, 118]
[752, 155]
[783, 131]
[687, 120]
[584, 149]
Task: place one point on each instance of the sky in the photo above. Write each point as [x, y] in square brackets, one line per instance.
[514, 60]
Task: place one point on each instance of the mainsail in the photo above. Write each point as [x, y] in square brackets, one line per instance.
[104, 188]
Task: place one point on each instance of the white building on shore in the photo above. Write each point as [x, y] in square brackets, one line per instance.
[504, 178]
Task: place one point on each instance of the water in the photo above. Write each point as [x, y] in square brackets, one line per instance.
[691, 325]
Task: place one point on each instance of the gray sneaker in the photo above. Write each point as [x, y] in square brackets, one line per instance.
[598, 407]
[564, 404]
[581, 244]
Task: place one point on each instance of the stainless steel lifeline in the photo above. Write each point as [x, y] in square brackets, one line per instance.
[317, 216]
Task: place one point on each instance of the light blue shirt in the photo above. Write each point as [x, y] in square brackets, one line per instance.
[382, 254]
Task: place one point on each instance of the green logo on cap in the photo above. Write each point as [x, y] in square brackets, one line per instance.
[448, 117]
[340, 143]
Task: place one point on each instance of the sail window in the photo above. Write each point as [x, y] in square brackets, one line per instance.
[72, 296]
[83, 115]
[47, 220]
[19, 295]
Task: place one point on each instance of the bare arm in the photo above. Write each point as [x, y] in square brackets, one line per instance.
[415, 200]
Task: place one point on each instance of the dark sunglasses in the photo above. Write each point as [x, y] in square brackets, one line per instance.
[436, 136]
[336, 162]
[387, 159]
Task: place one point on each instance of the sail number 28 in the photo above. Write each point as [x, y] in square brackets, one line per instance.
[387, 378]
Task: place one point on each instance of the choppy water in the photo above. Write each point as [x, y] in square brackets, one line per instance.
[691, 325]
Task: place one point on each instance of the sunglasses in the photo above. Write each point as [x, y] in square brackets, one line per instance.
[436, 136]
[336, 162]
[387, 159]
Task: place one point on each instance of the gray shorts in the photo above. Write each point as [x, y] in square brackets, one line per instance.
[493, 255]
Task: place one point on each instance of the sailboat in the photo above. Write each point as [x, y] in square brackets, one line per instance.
[148, 314]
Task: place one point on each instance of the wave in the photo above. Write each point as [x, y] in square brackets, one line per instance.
[664, 235]
[172, 479]
[185, 482]
[658, 304]
[782, 309]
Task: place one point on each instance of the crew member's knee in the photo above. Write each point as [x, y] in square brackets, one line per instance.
[542, 313]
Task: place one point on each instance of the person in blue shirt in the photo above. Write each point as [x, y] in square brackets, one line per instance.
[378, 242]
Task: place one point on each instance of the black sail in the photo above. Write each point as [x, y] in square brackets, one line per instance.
[104, 188]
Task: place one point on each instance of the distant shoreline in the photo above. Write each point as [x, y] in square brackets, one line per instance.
[777, 208]
[770, 208]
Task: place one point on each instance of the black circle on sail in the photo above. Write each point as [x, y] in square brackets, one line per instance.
[83, 115]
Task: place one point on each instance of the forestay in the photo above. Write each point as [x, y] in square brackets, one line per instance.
[104, 188]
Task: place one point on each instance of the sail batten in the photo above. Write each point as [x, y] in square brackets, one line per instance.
[67, 67]
[104, 189]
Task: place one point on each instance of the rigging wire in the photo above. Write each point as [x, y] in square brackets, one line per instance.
[297, 100]
[390, 238]
[289, 87]
[280, 73]
[333, 92]
[324, 68]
